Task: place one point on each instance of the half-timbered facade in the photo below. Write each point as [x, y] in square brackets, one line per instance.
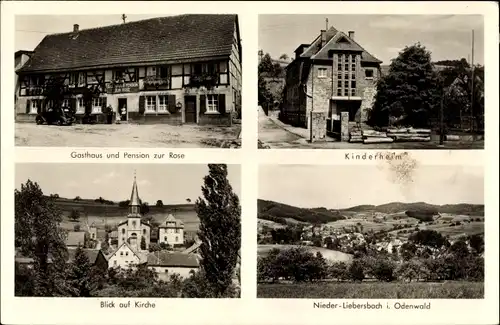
[177, 69]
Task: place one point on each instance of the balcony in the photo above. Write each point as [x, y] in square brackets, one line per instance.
[207, 80]
[155, 82]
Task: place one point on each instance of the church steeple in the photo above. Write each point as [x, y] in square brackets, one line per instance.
[135, 202]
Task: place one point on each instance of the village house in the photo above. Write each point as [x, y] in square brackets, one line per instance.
[167, 263]
[95, 256]
[176, 70]
[75, 239]
[20, 59]
[172, 232]
[126, 256]
[331, 75]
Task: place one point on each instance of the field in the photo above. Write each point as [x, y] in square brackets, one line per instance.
[328, 254]
[102, 214]
[373, 290]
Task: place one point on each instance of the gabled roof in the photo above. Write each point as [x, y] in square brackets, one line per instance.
[170, 218]
[182, 38]
[337, 41]
[75, 238]
[126, 245]
[167, 259]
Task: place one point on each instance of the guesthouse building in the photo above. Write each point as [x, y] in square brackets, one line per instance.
[182, 69]
[332, 74]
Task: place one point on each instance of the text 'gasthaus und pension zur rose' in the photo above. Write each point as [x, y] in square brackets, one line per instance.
[126, 155]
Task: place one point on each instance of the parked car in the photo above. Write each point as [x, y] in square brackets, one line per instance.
[56, 115]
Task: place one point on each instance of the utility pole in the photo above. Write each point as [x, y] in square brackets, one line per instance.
[326, 23]
[472, 88]
[123, 18]
[441, 132]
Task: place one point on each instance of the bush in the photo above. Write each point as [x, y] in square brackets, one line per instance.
[338, 270]
[383, 270]
[76, 228]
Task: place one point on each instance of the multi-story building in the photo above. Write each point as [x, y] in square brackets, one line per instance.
[172, 232]
[333, 74]
[176, 69]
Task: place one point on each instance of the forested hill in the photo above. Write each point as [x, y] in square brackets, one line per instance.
[286, 214]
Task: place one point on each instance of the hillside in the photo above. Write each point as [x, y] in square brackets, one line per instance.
[90, 207]
[282, 213]
[279, 212]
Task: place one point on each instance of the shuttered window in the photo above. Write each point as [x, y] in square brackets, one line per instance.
[150, 103]
[97, 105]
[212, 104]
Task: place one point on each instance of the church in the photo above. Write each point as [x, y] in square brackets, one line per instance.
[134, 240]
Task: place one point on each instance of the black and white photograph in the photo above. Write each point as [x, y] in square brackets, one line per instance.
[394, 231]
[126, 230]
[128, 81]
[371, 81]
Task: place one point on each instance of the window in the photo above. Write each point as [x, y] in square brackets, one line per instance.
[73, 78]
[197, 68]
[339, 84]
[339, 75]
[346, 75]
[176, 238]
[134, 223]
[150, 103]
[162, 104]
[353, 76]
[118, 74]
[347, 58]
[65, 103]
[123, 230]
[353, 84]
[213, 103]
[163, 72]
[322, 73]
[144, 231]
[123, 238]
[35, 105]
[121, 253]
[368, 73]
[339, 91]
[353, 59]
[166, 271]
[115, 262]
[353, 91]
[80, 107]
[93, 236]
[346, 92]
[165, 239]
[126, 253]
[339, 66]
[176, 230]
[97, 105]
[346, 84]
[346, 66]
[353, 67]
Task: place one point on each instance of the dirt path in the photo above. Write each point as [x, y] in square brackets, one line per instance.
[123, 135]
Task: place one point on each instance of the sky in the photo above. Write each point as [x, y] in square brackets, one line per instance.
[171, 183]
[31, 29]
[344, 186]
[446, 36]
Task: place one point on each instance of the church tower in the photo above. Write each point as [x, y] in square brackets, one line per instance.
[133, 231]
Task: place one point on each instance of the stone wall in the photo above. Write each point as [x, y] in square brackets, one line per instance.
[318, 126]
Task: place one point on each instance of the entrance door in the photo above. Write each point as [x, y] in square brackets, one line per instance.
[122, 108]
[190, 109]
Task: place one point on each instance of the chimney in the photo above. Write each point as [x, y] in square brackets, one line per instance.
[351, 34]
[75, 28]
[323, 37]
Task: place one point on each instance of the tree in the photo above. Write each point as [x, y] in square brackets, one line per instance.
[410, 270]
[383, 270]
[80, 275]
[75, 215]
[38, 235]
[476, 242]
[219, 212]
[143, 243]
[105, 242]
[410, 92]
[284, 56]
[338, 270]
[77, 198]
[144, 208]
[356, 270]
[159, 203]
[76, 228]
[460, 249]
[266, 64]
